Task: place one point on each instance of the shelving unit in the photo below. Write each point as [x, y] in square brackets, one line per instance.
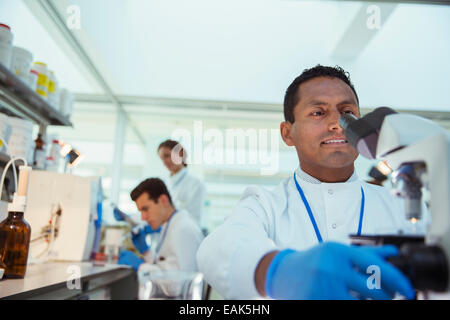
[17, 97]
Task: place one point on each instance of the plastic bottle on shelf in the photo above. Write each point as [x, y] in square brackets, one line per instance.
[43, 79]
[53, 91]
[21, 63]
[66, 103]
[39, 153]
[32, 79]
[6, 40]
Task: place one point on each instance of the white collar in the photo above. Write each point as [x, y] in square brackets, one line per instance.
[179, 175]
[308, 178]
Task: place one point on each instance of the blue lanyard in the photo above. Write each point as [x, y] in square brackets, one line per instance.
[311, 216]
[158, 248]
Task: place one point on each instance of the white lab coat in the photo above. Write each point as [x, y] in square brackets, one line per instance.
[178, 248]
[188, 192]
[264, 221]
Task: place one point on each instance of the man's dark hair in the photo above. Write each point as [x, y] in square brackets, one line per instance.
[154, 187]
[170, 144]
[292, 97]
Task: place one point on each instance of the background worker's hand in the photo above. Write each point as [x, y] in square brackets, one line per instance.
[130, 259]
[335, 271]
[118, 215]
[139, 241]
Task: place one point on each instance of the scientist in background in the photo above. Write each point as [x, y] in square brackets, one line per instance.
[180, 235]
[187, 191]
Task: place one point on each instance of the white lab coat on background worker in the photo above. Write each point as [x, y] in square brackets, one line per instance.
[178, 243]
[264, 221]
[188, 192]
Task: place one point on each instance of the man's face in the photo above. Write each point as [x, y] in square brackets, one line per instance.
[151, 211]
[165, 155]
[316, 133]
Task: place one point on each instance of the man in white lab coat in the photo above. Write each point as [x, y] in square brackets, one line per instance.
[292, 242]
[187, 191]
[180, 235]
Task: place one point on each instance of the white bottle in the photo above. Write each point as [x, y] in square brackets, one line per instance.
[21, 63]
[53, 158]
[6, 40]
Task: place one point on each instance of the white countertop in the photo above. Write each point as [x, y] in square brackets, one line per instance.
[52, 273]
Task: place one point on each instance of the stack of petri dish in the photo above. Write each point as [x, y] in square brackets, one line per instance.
[20, 138]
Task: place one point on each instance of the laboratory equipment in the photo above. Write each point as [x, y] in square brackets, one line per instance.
[66, 103]
[171, 285]
[52, 160]
[418, 151]
[20, 138]
[122, 216]
[113, 242]
[21, 63]
[43, 79]
[53, 91]
[15, 232]
[77, 200]
[6, 39]
[32, 79]
[39, 153]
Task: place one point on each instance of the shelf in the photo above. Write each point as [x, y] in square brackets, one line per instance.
[17, 97]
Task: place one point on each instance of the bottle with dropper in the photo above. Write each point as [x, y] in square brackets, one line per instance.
[15, 232]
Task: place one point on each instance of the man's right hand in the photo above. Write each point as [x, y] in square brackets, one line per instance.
[335, 271]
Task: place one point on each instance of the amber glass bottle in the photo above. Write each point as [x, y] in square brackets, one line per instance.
[15, 235]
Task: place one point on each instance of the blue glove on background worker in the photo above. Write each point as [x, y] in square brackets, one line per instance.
[130, 259]
[139, 241]
[331, 270]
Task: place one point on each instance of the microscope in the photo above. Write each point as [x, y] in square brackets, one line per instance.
[418, 152]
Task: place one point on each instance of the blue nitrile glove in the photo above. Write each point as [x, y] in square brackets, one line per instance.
[149, 230]
[118, 214]
[130, 258]
[139, 241]
[332, 270]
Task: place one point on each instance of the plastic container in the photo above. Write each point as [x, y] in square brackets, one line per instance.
[54, 157]
[53, 91]
[32, 79]
[4, 130]
[6, 40]
[66, 103]
[20, 138]
[21, 63]
[43, 79]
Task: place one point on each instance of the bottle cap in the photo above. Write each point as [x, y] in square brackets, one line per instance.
[18, 204]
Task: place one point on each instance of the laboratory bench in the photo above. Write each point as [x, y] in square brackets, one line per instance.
[73, 281]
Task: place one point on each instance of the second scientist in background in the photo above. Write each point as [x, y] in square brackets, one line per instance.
[187, 191]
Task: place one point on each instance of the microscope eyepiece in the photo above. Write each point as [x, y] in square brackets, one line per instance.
[362, 133]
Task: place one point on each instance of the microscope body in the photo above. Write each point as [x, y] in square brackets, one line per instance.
[418, 152]
[410, 141]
